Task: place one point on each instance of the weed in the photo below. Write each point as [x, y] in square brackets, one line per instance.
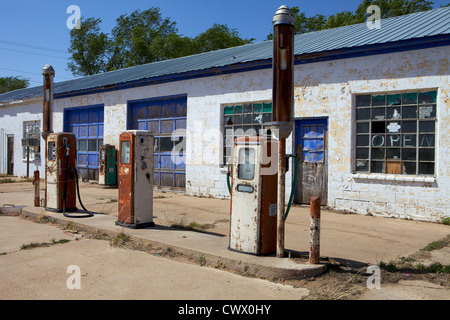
[7, 180]
[197, 226]
[446, 221]
[438, 267]
[44, 219]
[120, 239]
[436, 245]
[61, 241]
[202, 260]
[389, 267]
[29, 246]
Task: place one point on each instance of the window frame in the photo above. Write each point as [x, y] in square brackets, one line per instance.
[366, 128]
[264, 126]
[35, 152]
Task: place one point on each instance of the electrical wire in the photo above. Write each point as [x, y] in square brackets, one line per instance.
[32, 46]
[34, 53]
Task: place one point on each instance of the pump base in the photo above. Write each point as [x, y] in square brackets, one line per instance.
[135, 225]
[260, 254]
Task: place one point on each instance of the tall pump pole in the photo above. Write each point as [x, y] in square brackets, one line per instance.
[49, 73]
[282, 103]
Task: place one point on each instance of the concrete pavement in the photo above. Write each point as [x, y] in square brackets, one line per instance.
[346, 237]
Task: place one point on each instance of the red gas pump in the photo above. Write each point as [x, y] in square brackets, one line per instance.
[61, 183]
[62, 176]
[135, 208]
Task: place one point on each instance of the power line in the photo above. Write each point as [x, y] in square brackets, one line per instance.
[39, 74]
[32, 46]
[27, 52]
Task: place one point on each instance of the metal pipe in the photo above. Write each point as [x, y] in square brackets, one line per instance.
[283, 72]
[282, 104]
[36, 183]
[48, 72]
[281, 196]
[314, 231]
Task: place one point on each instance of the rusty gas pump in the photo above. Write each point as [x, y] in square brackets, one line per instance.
[253, 216]
[107, 171]
[62, 176]
[61, 183]
[136, 179]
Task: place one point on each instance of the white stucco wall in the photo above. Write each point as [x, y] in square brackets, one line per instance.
[322, 89]
[12, 117]
[328, 89]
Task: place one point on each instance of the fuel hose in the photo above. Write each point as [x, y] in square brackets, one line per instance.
[87, 213]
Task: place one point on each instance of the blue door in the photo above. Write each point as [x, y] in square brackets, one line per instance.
[164, 117]
[311, 147]
[87, 125]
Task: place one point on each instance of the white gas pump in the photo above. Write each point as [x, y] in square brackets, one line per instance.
[253, 219]
[136, 179]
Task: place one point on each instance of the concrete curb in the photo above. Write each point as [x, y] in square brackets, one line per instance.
[216, 255]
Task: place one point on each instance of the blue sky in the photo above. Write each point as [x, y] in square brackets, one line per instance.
[34, 33]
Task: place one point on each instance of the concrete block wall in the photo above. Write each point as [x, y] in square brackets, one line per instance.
[328, 88]
[322, 89]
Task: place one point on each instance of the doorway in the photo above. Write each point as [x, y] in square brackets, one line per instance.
[10, 154]
[311, 148]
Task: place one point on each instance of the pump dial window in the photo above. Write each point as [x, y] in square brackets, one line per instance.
[125, 152]
[246, 164]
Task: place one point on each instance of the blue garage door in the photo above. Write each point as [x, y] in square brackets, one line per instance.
[162, 117]
[87, 125]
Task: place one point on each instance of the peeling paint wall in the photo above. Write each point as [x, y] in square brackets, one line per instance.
[322, 89]
[328, 88]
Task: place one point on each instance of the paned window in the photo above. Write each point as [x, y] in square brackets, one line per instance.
[395, 133]
[248, 119]
[31, 136]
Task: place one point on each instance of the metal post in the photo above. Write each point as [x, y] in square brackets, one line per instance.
[282, 103]
[28, 161]
[36, 183]
[48, 72]
[281, 196]
[314, 229]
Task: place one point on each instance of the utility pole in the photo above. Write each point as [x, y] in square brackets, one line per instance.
[49, 73]
[282, 103]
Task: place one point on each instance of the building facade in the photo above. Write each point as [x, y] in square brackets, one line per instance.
[371, 125]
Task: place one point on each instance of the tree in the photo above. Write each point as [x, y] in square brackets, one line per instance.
[219, 36]
[394, 8]
[303, 24]
[388, 8]
[138, 38]
[13, 83]
[89, 48]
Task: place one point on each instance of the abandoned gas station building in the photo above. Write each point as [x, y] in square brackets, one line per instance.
[372, 116]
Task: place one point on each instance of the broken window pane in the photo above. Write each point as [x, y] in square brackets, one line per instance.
[427, 97]
[409, 98]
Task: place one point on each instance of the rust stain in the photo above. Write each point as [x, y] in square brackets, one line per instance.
[443, 67]
[126, 184]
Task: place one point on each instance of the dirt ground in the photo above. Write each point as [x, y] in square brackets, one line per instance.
[422, 274]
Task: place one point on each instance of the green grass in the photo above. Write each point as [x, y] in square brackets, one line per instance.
[53, 241]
